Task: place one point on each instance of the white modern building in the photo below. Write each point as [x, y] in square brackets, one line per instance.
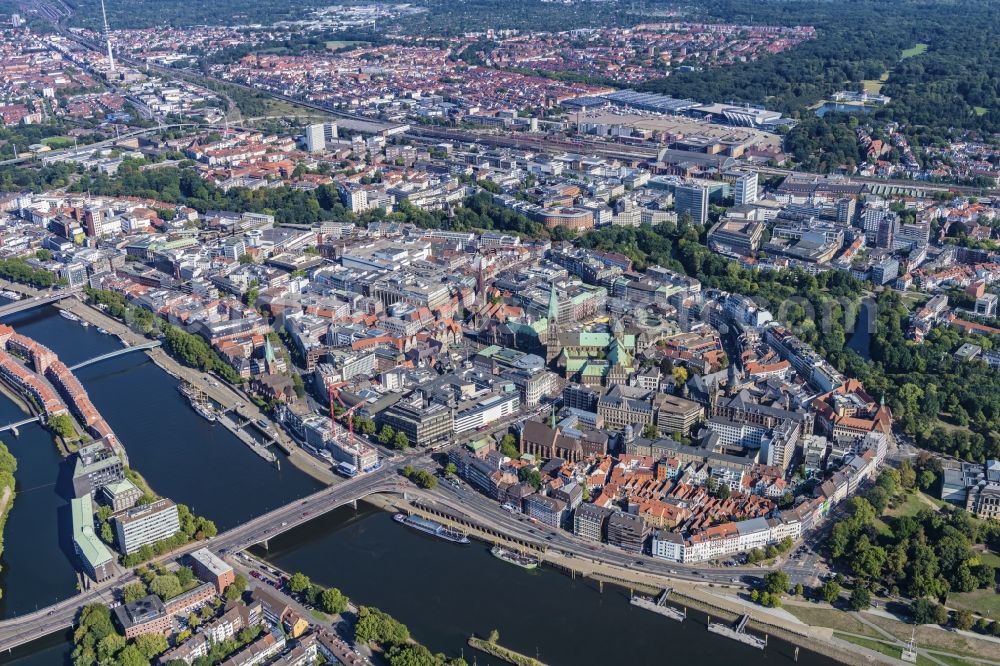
[723, 540]
[317, 136]
[145, 525]
[487, 411]
[745, 191]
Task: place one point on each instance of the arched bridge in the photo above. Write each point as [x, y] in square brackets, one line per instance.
[118, 352]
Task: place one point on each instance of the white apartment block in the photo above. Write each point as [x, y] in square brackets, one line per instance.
[723, 540]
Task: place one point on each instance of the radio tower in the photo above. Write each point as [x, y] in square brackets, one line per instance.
[107, 36]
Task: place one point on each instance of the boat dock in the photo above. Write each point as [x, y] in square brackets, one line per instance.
[271, 439]
[255, 446]
[738, 632]
[659, 606]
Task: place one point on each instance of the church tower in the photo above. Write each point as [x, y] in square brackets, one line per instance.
[552, 344]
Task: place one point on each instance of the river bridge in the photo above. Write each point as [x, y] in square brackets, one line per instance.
[118, 352]
[62, 615]
[14, 426]
[32, 302]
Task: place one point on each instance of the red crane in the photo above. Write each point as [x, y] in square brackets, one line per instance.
[334, 395]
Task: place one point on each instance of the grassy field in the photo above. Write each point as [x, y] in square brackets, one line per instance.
[990, 558]
[874, 87]
[877, 646]
[340, 44]
[911, 506]
[57, 142]
[980, 110]
[985, 602]
[818, 616]
[935, 638]
[882, 528]
[914, 50]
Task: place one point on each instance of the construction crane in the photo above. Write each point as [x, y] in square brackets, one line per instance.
[333, 391]
[334, 394]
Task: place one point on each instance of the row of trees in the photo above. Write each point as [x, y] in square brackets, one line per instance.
[925, 611]
[421, 477]
[188, 348]
[194, 351]
[390, 436]
[8, 465]
[19, 270]
[330, 599]
[378, 628]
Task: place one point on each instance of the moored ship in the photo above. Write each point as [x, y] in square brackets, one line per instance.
[203, 410]
[432, 528]
[522, 560]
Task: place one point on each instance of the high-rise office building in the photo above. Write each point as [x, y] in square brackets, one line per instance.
[746, 189]
[692, 198]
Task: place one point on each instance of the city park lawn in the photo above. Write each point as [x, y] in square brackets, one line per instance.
[874, 87]
[933, 637]
[984, 602]
[894, 651]
[343, 43]
[913, 504]
[819, 616]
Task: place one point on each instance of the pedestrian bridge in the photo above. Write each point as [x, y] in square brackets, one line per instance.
[15, 426]
[118, 352]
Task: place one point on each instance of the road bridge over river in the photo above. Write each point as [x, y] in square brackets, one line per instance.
[31, 302]
[62, 615]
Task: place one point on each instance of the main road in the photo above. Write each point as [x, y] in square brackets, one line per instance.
[61, 616]
[461, 502]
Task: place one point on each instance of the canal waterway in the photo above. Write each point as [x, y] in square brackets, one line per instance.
[445, 592]
[861, 338]
[181, 455]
